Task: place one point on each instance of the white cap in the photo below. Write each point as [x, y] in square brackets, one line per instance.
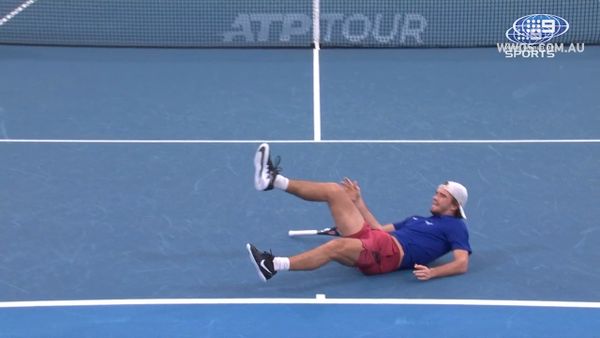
[460, 194]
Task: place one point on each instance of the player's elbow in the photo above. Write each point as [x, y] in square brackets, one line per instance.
[461, 261]
[462, 266]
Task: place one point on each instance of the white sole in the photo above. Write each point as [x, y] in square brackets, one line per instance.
[260, 161]
[262, 277]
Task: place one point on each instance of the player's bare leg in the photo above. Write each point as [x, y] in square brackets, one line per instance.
[345, 215]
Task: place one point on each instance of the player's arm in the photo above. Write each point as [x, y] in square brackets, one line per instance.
[353, 190]
[388, 227]
[459, 265]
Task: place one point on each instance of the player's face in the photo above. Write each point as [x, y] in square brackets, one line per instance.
[443, 203]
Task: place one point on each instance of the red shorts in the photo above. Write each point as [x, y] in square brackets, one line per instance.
[380, 253]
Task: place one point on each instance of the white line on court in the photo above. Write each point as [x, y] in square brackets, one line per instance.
[320, 299]
[515, 141]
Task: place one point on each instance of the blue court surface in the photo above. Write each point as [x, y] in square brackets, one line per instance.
[126, 190]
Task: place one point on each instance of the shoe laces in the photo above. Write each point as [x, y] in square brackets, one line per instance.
[269, 253]
[274, 167]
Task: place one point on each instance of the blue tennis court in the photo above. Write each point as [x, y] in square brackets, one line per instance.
[127, 191]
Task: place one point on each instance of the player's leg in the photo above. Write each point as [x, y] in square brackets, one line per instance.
[343, 250]
[346, 216]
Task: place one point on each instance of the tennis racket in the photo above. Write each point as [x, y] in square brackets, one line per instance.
[332, 231]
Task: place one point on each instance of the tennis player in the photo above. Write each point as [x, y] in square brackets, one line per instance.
[364, 243]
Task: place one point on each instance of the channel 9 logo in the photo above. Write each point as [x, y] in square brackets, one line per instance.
[530, 36]
[535, 29]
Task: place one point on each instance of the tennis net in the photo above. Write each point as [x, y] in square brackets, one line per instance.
[284, 23]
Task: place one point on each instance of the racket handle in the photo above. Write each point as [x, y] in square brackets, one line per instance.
[293, 233]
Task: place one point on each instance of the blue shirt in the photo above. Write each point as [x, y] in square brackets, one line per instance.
[425, 239]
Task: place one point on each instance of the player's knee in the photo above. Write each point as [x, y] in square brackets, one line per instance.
[336, 248]
[335, 190]
[342, 251]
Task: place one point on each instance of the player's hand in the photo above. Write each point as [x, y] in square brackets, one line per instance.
[422, 272]
[351, 188]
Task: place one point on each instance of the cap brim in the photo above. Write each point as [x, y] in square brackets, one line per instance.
[462, 212]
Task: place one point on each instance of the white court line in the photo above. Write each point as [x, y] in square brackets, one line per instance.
[16, 11]
[320, 299]
[516, 141]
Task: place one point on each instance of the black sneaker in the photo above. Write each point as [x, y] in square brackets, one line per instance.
[262, 261]
[265, 170]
